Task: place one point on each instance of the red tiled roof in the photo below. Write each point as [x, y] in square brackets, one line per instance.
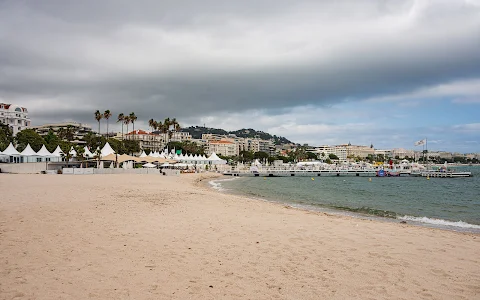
[136, 132]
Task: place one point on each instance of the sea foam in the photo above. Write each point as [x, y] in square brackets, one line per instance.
[439, 222]
[217, 184]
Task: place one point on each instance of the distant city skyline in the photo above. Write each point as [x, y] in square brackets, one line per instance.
[383, 72]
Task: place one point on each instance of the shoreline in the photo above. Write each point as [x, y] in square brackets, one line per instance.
[403, 220]
[159, 237]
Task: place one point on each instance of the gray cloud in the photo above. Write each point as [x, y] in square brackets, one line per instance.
[65, 59]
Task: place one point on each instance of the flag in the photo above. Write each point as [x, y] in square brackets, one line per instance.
[421, 142]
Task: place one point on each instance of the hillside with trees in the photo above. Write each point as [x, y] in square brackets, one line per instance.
[197, 131]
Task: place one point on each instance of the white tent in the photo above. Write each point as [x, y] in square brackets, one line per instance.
[73, 152]
[28, 151]
[143, 154]
[87, 153]
[44, 152]
[57, 152]
[107, 150]
[215, 160]
[11, 150]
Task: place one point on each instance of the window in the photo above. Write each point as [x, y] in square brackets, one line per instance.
[20, 122]
[18, 109]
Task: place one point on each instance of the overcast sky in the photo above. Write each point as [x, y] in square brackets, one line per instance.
[320, 72]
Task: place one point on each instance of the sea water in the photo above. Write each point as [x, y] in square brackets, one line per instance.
[451, 203]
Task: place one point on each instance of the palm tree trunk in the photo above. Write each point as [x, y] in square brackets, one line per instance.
[133, 124]
[98, 126]
[107, 128]
[122, 131]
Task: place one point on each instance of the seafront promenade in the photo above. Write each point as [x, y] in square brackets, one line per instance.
[158, 237]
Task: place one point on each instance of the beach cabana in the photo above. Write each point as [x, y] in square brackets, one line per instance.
[215, 160]
[106, 150]
[10, 150]
[44, 152]
[87, 153]
[46, 155]
[10, 154]
[57, 152]
[29, 155]
[73, 152]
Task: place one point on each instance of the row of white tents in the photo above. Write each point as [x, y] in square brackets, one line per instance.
[29, 155]
[187, 158]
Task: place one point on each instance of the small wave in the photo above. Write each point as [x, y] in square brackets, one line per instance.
[217, 184]
[439, 222]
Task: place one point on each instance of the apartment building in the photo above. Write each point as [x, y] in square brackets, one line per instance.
[222, 147]
[359, 151]
[79, 130]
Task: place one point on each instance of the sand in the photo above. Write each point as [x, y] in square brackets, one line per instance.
[156, 237]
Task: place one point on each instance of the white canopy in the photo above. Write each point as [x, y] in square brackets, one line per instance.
[28, 151]
[57, 152]
[214, 157]
[106, 150]
[143, 154]
[149, 165]
[11, 150]
[44, 152]
[72, 152]
[87, 152]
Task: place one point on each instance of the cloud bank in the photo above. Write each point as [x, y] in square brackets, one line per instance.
[191, 59]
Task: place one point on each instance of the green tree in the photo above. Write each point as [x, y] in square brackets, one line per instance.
[51, 140]
[131, 146]
[6, 136]
[246, 156]
[261, 155]
[332, 156]
[311, 155]
[29, 136]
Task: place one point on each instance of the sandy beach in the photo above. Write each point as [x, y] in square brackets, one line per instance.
[157, 237]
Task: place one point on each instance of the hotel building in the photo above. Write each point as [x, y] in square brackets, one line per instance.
[16, 117]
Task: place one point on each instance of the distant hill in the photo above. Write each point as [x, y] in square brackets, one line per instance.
[197, 131]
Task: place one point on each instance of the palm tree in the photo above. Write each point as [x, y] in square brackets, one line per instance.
[151, 123]
[167, 123]
[121, 118]
[98, 117]
[163, 128]
[107, 114]
[126, 121]
[176, 125]
[133, 118]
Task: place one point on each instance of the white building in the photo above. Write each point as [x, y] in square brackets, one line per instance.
[223, 147]
[16, 117]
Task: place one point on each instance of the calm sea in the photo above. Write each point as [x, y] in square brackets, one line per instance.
[450, 203]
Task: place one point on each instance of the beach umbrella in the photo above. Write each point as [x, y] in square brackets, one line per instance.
[149, 165]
